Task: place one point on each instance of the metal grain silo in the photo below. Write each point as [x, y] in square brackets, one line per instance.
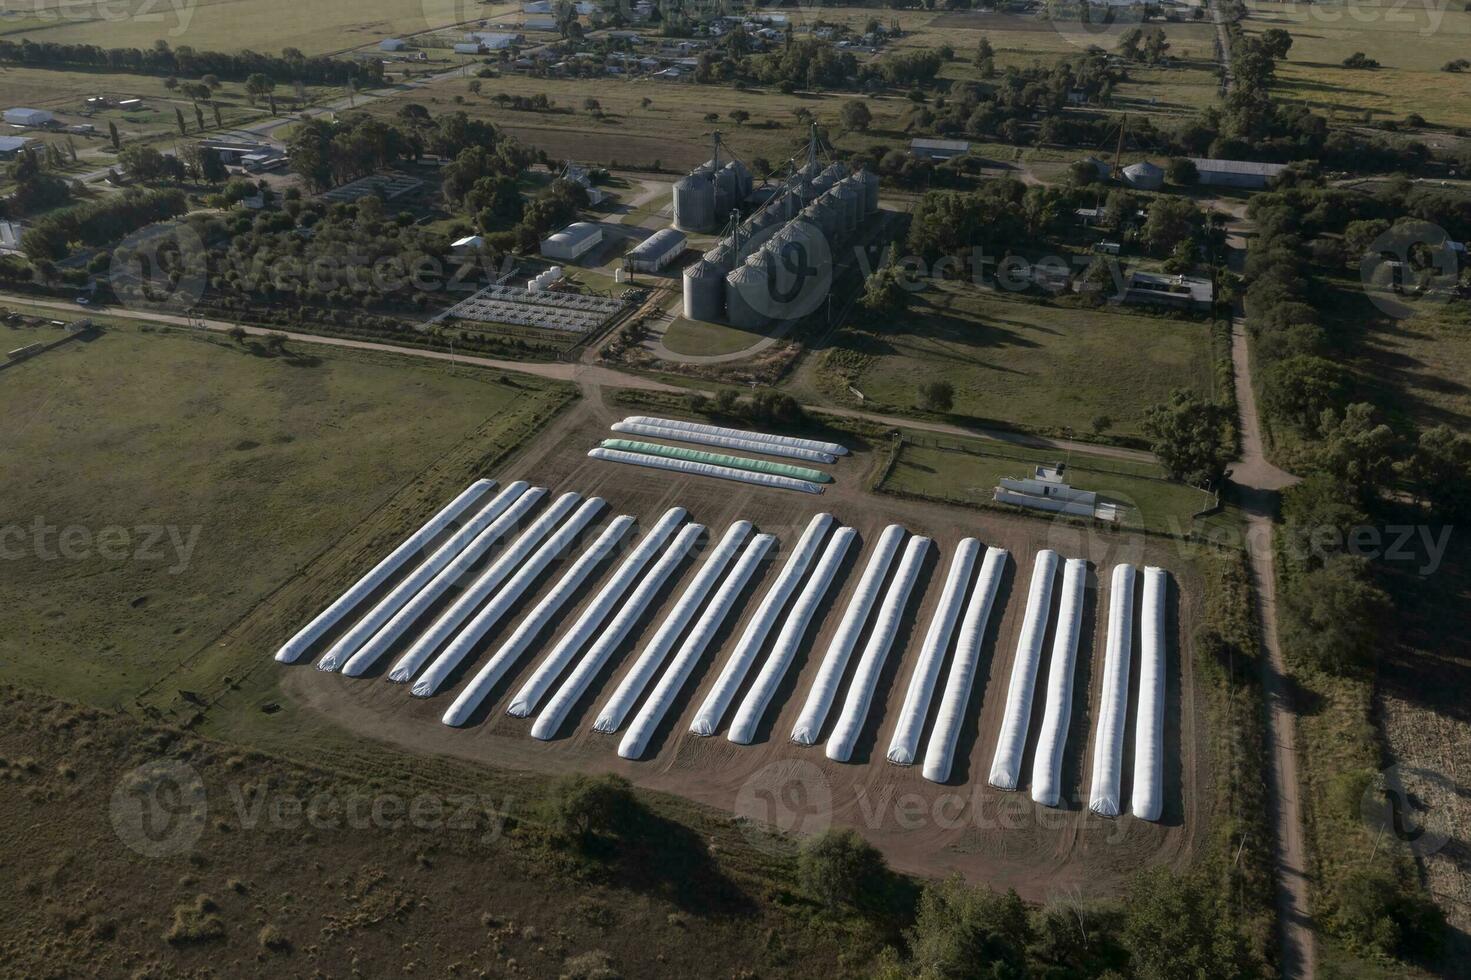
[742, 179]
[704, 292]
[850, 194]
[727, 191]
[870, 191]
[745, 296]
[694, 203]
[722, 257]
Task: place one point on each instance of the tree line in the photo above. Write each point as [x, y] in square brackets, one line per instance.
[161, 59]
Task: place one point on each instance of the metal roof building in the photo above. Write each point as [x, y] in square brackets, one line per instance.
[21, 116]
[657, 251]
[938, 149]
[572, 242]
[1236, 173]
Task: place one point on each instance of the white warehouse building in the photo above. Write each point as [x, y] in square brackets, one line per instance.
[657, 251]
[29, 117]
[572, 242]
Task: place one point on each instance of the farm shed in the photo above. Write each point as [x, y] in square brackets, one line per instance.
[657, 251]
[1236, 173]
[10, 146]
[938, 149]
[392, 44]
[28, 117]
[572, 242]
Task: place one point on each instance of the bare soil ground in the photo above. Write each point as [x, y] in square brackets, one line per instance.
[966, 826]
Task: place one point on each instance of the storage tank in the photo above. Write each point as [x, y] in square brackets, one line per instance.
[704, 292]
[745, 296]
[870, 191]
[722, 256]
[836, 171]
[727, 192]
[850, 193]
[694, 203]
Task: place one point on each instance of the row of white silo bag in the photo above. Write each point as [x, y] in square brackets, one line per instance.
[490, 578]
[1108, 738]
[646, 722]
[615, 710]
[293, 649]
[1007, 762]
[449, 576]
[1057, 712]
[408, 587]
[904, 745]
[462, 635]
[1149, 732]
[824, 687]
[940, 752]
[794, 629]
[529, 697]
[717, 701]
[723, 442]
[630, 611]
[794, 442]
[509, 652]
[705, 469]
[860, 692]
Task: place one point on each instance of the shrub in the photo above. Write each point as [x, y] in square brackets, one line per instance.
[582, 808]
[841, 868]
[197, 922]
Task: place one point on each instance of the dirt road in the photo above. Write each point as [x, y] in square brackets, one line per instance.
[1258, 482]
[587, 374]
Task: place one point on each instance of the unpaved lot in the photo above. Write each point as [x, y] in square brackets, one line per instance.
[965, 826]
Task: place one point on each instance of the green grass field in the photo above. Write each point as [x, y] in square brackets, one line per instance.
[1015, 361]
[1410, 41]
[325, 26]
[253, 465]
[967, 472]
[690, 337]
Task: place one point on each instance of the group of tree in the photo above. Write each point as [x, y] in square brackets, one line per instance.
[101, 222]
[185, 62]
[37, 187]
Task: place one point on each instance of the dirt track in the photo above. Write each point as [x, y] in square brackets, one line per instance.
[967, 827]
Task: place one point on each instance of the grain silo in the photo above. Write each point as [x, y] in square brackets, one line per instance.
[745, 296]
[870, 191]
[694, 203]
[722, 256]
[704, 292]
[850, 193]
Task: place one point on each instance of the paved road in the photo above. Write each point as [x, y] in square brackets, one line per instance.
[1258, 482]
[587, 374]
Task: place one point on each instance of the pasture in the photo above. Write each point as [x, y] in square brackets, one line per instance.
[1016, 361]
[1411, 42]
[321, 27]
[194, 476]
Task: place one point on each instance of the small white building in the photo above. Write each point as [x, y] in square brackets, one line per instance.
[572, 242]
[21, 116]
[468, 244]
[492, 40]
[657, 251]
